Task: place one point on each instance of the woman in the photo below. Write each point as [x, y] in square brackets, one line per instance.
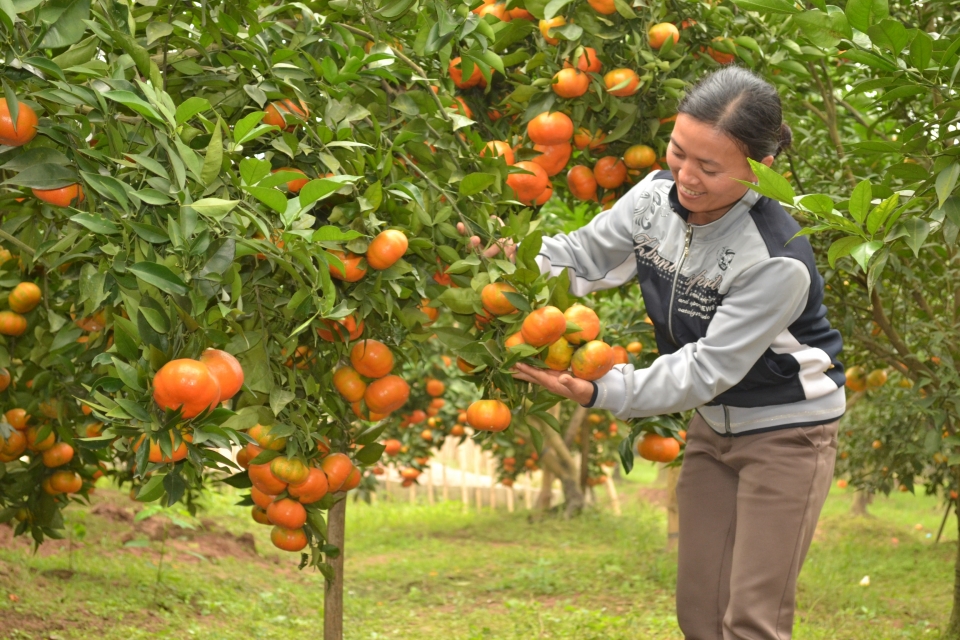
[736, 303]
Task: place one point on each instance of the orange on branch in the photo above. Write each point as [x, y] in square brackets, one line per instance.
[621, 82]
[498, 148]
[346, 329]
[584, 59]
[543, 326]
[371, 358]
[528, 186]
[19, 133]
[387, 394]
[610, 172]
[349, 384]
[277, 112]
[550, 128]
[661, 32]
[592, 361]
[639, 156]
[570, 83]
[585, 318]
[25, 297]
[553, 157]
[226, 369]
[338, 467]
[288, 539]
[657, 448]
[352, 265]
[489, 415]
[312, 489]
[187, 385]
[494, 301]
[547, 25]
[559, 355]
[581, 183]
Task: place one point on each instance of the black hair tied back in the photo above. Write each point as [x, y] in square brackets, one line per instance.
[742, 105]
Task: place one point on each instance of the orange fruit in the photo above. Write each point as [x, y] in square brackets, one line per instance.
[346, 329]
[581, 183]
[543, 326]
[528, 187]
[371, 358]
[585, 318]
[226, 369]
[5, 382]
[13, 446]
[17, 418]
[658, 448]
[388, 247]
[553, 157]
[722, 57]
[841, 484]
[25, 297]
[12, 324]
[489, 415]
[550, 128]
[620, 355]
[277, 111]
[187, 385]
[621, 82]
[352, 481]
[464, 366]
[513, 340]
[431, 312]
[266, 439]
[876, 378]
[586, 60]
[264, 480]
[156, 453]
[348, 383]
[584, 138]
[43, 445]
[287, 513]
[606, 7]
[25, 128]
[661, 32]
[639, 156]
[435, 387]
[558, 355]
[57, 455]
[570, 83]
[496, 9]
[493, 300]
[592, 361]
[288, 539]
[456, 74]
[545, 195]
[314, 488]
[294, 186]
[387, 394]
[635, 347]
[460, 106]
[610, 172]
[65, 481]
[351, 263]
[856, 378]
[392, 446]
[498, 148]
[521, 14]
[289, 470]
[546, 25]
[259, 515]
[338, 467]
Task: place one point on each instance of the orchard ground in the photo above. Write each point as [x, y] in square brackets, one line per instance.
[437, 572]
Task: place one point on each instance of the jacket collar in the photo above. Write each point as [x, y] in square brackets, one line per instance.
[725, 223]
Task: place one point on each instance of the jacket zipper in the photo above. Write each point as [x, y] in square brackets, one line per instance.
[726, 419]
[676, 277]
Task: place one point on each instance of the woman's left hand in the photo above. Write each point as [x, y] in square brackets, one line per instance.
[558, 382]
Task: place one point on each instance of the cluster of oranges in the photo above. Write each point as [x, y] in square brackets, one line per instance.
[23, 299]
[196, 386]
[367, 384]
[42, 441]
[859, 380]
[382, 253]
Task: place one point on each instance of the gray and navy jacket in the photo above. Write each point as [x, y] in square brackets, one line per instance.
[737, 308]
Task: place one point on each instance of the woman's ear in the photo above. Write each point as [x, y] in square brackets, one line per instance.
[767, 161]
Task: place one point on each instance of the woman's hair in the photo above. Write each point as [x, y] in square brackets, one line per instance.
[742, 105]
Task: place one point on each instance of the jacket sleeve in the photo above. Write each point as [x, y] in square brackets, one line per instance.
[762, 303]
[599, 255]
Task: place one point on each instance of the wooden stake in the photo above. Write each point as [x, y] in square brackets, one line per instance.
[510, 499]
[430, 496]
[446, 486]
[528, 492]
[333, 591]
[463, 478]
[413, 493]
[614, 499]
[477, 466]
[491, 469]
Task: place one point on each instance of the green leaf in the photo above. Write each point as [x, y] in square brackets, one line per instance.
[528, 250]
[214, 157]
[370, 453]
[917, 231]
[921, 50]
[149, 232]
[191, 107]
[96, 223]
[461, 300]
[767, 6]
[841, 248]
[157, 30]
[270, 197]
[881, 212]
[860, 200]
[771, 184]
[44, 176]
[323, 187]
[152, 490]
[159, 276]
[863, 252]
[328, 233]
[135, 104]
[817, 203]
[889, 34]
[824, 29]
[474, 183]
[946, 181]
[215, 208]
[38, 155]
[247, 128]
[863, 13]
[553, 8]
[66, 20]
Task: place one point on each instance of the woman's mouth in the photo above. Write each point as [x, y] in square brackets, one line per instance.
[690, 193]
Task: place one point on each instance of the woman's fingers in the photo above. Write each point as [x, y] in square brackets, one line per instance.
[558, 382]
[507, 246]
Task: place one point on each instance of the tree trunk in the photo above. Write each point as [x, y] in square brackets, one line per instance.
[585, 435]
[333, 591]
[953, 629]
[545, 499]
[860, 501]
[557, 460]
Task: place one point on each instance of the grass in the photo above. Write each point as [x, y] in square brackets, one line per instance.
[415, 571]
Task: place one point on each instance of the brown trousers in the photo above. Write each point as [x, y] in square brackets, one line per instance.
[748, 509]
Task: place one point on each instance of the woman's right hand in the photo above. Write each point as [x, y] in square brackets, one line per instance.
[503, 244]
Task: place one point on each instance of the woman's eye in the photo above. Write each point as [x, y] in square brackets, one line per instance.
[709, 173]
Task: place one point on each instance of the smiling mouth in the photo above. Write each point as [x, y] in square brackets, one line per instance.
[689, 192]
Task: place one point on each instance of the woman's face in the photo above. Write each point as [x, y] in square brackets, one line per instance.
[706, 165]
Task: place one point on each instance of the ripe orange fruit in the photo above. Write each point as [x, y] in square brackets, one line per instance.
[460, 106]
[12, 324]
[722, 57]
[392, 446]
[550, 128]
[521, 14]
[418, 416]
[657, 448]
[346, 329]
[586, 60]
[435, 387]
[368, 415]
[337, 466]
[409, 474]
[259, 515]
[570, 83]
[841, 484]
[289, 470]
[620, 355]
[553, 157]
[388, 247]
[621, 82]
[348, 383]
[371, 358]
[543, 326]
[58, 455]
[876, 378]
[584, 138]
[65, 481]
[526, 186]
[606, 7]
[545, 195]
[5, 382]
[494, 301]
[558, 355]
[13, 447]
[277, 111]
[42, 445]
[456, 74]
[314, 488]
[856, 378]
[635, 347]
[17, 418]
[226, 369]
[187, 385]
[352, 481]
[496, 9]
[351, 263]
[585, 318]
[288, 539]
[610, 172]
[431, 312]
[639, 156]
[514, 340]
[546, 25]
[387, 394]
[25, 297]
[877, 444]
[25, 128]
[427, 435]
[592, 361]
[294, 186]
[266, 439]
[264, 480]
[287, 513]
[464, 366]
[489, 415]
[243, 457]
[457, 430]
[498, 148]
[661, 32]
[581, 183]
[156, 453]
